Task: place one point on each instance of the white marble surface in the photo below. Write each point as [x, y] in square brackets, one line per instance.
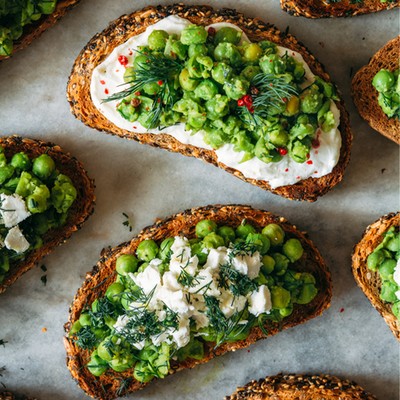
[147, 183]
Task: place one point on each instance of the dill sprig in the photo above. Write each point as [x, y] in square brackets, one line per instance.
[237, 283]
[269, 91]
[123, 386]
[105, 308]
[85, 338]
[215, 315]
[159, 69]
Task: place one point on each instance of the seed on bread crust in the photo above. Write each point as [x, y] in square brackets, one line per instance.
[305, 387]
[102, 44]
[343, 8]
[184, 224]
[369, 281]
[80, 210]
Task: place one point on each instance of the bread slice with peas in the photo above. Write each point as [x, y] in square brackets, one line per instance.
[46, 195]
[335, 8]
[84, 84]
[113, 363]
[372, 82]
[298, 386]
[374, 268]
[34, 29]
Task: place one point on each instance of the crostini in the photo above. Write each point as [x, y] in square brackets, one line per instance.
[335, 8]
[238, 94]
[187, 289]
[15, 39]
[369, 100]
[46, 195]
[305, 387]
[376, 268]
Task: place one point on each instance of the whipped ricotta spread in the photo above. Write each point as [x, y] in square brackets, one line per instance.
[107, 78]
[189, 301]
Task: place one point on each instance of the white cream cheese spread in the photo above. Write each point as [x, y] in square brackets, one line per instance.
[107, 78]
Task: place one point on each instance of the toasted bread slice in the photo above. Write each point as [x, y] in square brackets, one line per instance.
[305, 387]
[366, 96]
[101, 45]
[34, 30]
[342, 8]
[369, 281]
[80, 210]
[108, 385]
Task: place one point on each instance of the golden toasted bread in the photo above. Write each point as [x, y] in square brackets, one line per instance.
[341, 8]
[80, 210]
[34, 30]
[305, 387]
[366, 96]
[101, 45]
[370, 281]
[108, 385]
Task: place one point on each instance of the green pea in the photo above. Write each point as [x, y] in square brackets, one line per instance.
[278, 136]
[43, 166]
[307, 293]
[272, 64]
[186, 82]
[394, 243]
[37, 202]
[212, 240]
[285, 312]
[281, 263]
[197, 250]
[386, 269]
[142, 373]
[229, 53]
[141, 61]
[113, 291]
[126, 263]
[21, 161]
[147, 250]
[280, 297]
[383, 80]
[204, 227]
[151, 88]
[217, 107]
[244, 229]
[227, 233]
[268, 264]
[165, 248]
[221, 72]
[120, 364]
[129, 74]
[227, 35]
[6, 173]
[260, 240]
[311, 100]
[85, 319]
[293, 249]
[252, 52]
[250, 72]
[274, 233]
[193, 34]
[206, 90]
[104, 351]
[299, 151]
[157, 40]
[197, 50]
[96, 365]
[388, 291]
[236, 87]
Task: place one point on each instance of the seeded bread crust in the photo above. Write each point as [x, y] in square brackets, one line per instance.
[12, 396]
[369, 281]
[304, 387]
[80, 210]
[102, 44]
[365, 96]
[108, 386]
[343, 8]
[34, 30]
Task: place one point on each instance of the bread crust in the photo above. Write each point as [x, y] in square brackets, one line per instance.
[365, 96]
[106, 387]
[98, 48]
[344, 8]
[304, 387]
[369, 281]
[11, 396]
[35, 29]
[80, 210]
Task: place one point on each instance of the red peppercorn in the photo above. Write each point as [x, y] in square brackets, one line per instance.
[211, 31]
[282, 151]
[160, 82]
[123, 60]
[240, 102]
[247, 100]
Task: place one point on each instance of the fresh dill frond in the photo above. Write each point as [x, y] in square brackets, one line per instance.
[239, 284]
[85, 338]
[123, 386]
